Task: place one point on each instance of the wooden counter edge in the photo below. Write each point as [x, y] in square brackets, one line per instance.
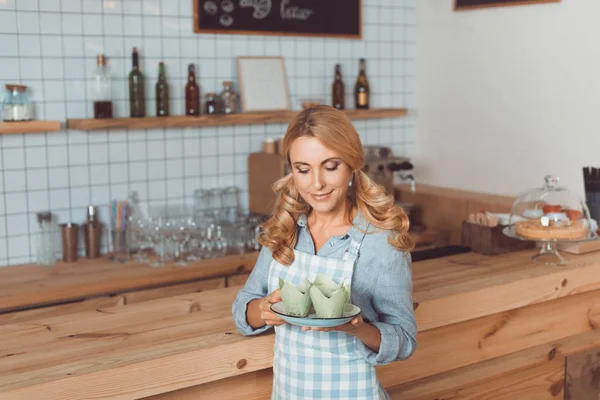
[459, 194]
[485, 296]
[171, 373]
[155, 277]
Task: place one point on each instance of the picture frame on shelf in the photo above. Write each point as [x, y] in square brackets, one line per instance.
[263, 84]
[461, 5]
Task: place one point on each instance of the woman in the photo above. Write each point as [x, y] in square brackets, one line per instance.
[329, 217]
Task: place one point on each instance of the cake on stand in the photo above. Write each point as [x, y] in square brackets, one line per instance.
[550, 215]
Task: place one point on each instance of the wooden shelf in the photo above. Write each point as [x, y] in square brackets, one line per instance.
[29, 127]
[182, 121]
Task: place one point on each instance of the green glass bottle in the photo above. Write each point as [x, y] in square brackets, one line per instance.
[137, 96]
[162, 92]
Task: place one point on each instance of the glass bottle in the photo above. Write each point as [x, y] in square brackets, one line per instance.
[45, 251]
[16, 105]
[337, 89]
[101, 91]
[137, 100]
[162, 92]
[228, 98]
[134, 216]
[361, 90]
[192, 93]
[211, 103]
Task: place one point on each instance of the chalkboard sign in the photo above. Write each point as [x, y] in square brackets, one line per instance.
[338, 18]
[468, 4]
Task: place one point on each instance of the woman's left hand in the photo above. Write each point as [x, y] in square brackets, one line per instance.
[355, 324]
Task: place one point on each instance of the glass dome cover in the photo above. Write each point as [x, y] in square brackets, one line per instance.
[551, 212]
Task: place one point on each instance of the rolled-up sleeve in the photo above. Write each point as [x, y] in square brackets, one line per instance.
[256, 287]
[392, 300]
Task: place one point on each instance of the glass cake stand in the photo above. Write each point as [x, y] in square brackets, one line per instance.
[549, 254]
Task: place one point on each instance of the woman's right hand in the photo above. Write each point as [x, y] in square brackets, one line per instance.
[266, 314]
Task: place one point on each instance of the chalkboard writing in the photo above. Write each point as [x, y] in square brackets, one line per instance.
[467, 4]
[340, 18]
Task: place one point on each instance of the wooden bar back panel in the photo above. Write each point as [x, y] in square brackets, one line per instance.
[263, 171]
[446, 208]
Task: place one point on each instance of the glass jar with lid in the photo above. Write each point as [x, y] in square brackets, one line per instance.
[551, 214]
[228, 99]
[16, 105]
[211, 103]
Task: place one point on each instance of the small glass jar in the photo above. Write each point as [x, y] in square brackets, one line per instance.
[16, 105]
[228, 99]
[46, 236]
[211, 103]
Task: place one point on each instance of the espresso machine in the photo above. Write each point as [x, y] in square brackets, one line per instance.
[386, 169]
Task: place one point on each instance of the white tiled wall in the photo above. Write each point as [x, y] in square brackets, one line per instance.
[51, 45]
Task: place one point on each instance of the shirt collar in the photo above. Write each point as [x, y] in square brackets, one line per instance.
[356, 231]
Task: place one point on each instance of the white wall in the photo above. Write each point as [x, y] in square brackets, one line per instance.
[507, 95]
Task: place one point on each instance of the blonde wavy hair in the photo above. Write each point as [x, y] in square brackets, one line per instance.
[333, 128]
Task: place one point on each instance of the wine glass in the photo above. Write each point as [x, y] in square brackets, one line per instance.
[141, 230]
[157, 237]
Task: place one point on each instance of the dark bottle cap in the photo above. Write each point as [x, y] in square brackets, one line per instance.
[135, 57]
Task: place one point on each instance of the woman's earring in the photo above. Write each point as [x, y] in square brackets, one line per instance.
[350, 183]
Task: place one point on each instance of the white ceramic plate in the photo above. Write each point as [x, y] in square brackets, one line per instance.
[312, 320]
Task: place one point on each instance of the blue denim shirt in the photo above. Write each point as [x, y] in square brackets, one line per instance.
[381, 287]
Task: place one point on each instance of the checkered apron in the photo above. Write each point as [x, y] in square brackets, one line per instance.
[319, 365]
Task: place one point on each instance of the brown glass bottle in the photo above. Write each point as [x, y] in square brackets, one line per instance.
[137, 95]
[337, 89]
[361, 90]
[192, 93]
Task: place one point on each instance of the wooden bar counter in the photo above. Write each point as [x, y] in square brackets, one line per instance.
[489, 327]
[32, 286]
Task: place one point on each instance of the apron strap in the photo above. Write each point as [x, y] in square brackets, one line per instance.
[354, 250]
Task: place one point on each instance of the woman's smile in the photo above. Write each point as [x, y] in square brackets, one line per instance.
[321, 196]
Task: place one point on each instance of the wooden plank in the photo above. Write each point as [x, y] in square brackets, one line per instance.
[174, 290]
[257, 385]
[45, 330]
[29, 127]
[251, 386]
[219, 120]
[112, 301]
[514, 363]
[541, 382]
[131, 380]
[59, 286]
[458, 345]
[114, 337]
[583, 375]
[112, 349]
[579, 248]
[63, 309]
[237, 280]
[460, 194]
[482, 296]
